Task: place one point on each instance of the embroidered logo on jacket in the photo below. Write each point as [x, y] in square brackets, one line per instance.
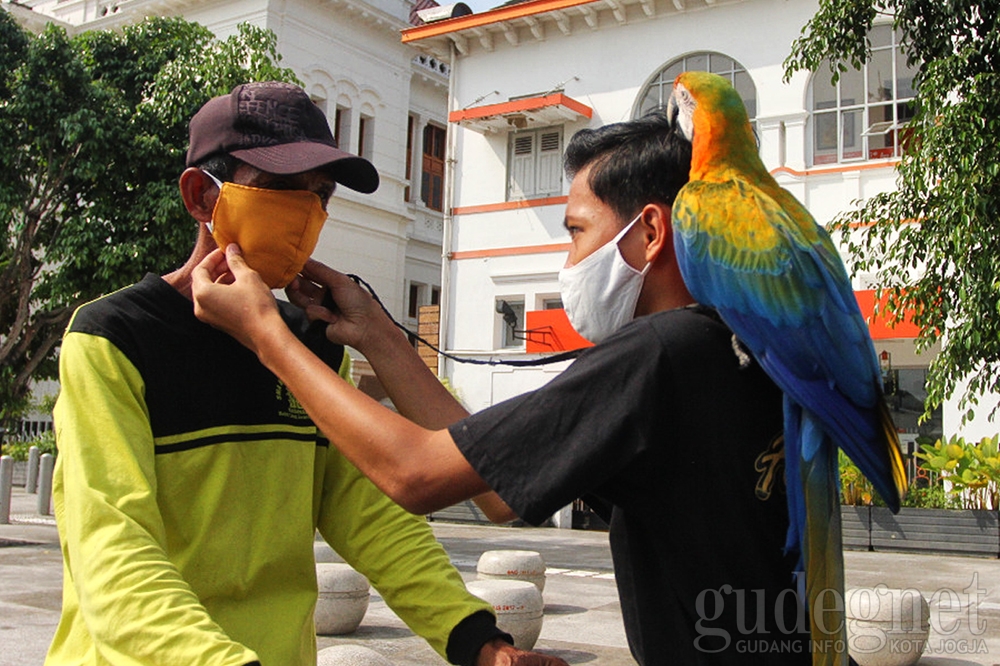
[293, 409]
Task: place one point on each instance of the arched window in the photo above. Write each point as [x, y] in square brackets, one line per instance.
[861, 116]
[657, 91]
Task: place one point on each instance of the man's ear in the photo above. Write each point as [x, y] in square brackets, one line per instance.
[657, 232]
[199, 193]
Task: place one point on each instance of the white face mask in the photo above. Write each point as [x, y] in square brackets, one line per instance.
[600, 293]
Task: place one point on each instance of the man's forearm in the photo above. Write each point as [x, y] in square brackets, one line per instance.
[419, 468]
[415, 391]
[421, 397]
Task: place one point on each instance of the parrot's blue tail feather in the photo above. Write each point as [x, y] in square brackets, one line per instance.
[796, 499]
[821, 545]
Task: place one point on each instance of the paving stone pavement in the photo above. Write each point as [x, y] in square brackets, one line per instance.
[582, 620]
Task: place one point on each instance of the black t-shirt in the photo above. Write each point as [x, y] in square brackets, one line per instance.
[661, 422]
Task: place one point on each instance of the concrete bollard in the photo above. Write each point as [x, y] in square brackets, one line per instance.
[322, 552]
[343, 599]
[31, 484]
[46, 464]
[524, 565]
[518, 605]
[886, 627]
[350, 655]
[6, 485]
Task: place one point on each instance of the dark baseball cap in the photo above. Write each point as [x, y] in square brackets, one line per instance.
[275, 127]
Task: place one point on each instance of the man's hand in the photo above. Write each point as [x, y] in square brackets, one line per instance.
[230, 296]
[355, 319]
[499, 652]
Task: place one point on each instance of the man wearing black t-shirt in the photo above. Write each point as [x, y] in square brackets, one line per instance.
[658, 420]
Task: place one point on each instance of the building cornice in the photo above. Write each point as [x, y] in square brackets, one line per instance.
[367, 13]
[30, 20]
[125, 12]
[430, 70]
[536, 20]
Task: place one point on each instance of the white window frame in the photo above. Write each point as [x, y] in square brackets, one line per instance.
[342, 126]
[534, 163]
[504, 332]
[656, 92]
[415, 297]
[366, 136]
[849, 130]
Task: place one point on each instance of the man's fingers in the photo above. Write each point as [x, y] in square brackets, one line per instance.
[303, 292]
[210, 268]
[234, 257]
[319, 312]
[497, 652]
[322, 274]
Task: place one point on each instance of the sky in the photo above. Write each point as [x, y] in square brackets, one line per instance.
[478, 6]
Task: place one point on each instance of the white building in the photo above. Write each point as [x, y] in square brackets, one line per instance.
[381, 96]
[525, 77]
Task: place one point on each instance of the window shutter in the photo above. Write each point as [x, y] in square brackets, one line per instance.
[432, 183]
[522, 166]
[549, 164]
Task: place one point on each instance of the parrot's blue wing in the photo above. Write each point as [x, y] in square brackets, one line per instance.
[757, 256]
[776, 279]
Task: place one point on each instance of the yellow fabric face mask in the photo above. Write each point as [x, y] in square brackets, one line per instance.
[276, 229]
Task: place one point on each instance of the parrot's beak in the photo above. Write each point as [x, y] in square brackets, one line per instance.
[679, 109]
[672, 110]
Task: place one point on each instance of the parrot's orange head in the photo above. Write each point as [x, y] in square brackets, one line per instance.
[706, 110]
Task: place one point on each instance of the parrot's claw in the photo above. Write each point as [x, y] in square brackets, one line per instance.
[741, 353]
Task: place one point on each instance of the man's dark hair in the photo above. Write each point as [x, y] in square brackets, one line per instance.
[221, 165]
[634, 162]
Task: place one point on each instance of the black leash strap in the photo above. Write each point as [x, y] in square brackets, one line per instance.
[556, 358]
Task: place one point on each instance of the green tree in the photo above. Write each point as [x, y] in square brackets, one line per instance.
[935, 241]
[94, 139]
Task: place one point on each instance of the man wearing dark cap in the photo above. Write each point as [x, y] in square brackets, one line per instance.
[187, 511]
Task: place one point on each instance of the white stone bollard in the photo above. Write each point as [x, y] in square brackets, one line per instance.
[350, 655]
[46, 464]
[886, 627]
[518, 605]
[343, 598]
[31, 483]
[6, 486]
[512, 565]
[322, 552]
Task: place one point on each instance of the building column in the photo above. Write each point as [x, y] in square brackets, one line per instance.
[796, 142]
[772, 142]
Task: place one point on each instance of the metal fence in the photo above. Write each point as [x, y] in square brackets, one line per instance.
[26, 430]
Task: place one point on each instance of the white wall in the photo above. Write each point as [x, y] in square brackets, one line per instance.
[606, 68]
[349, 54]
[977, 428]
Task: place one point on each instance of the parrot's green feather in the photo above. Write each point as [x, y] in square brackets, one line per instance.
[748, 248]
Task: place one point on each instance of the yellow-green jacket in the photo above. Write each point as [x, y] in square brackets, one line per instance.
[188, 488]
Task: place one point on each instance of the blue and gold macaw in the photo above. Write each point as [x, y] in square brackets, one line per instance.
[748, 248]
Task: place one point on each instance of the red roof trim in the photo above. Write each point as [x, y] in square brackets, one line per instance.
[524, 104]
[498, 15]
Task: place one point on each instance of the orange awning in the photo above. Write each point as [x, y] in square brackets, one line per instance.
[879, 328]
[550, 331]
[524, 113]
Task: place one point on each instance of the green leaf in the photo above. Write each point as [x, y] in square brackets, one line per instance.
[94, 139]
[936, 246]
